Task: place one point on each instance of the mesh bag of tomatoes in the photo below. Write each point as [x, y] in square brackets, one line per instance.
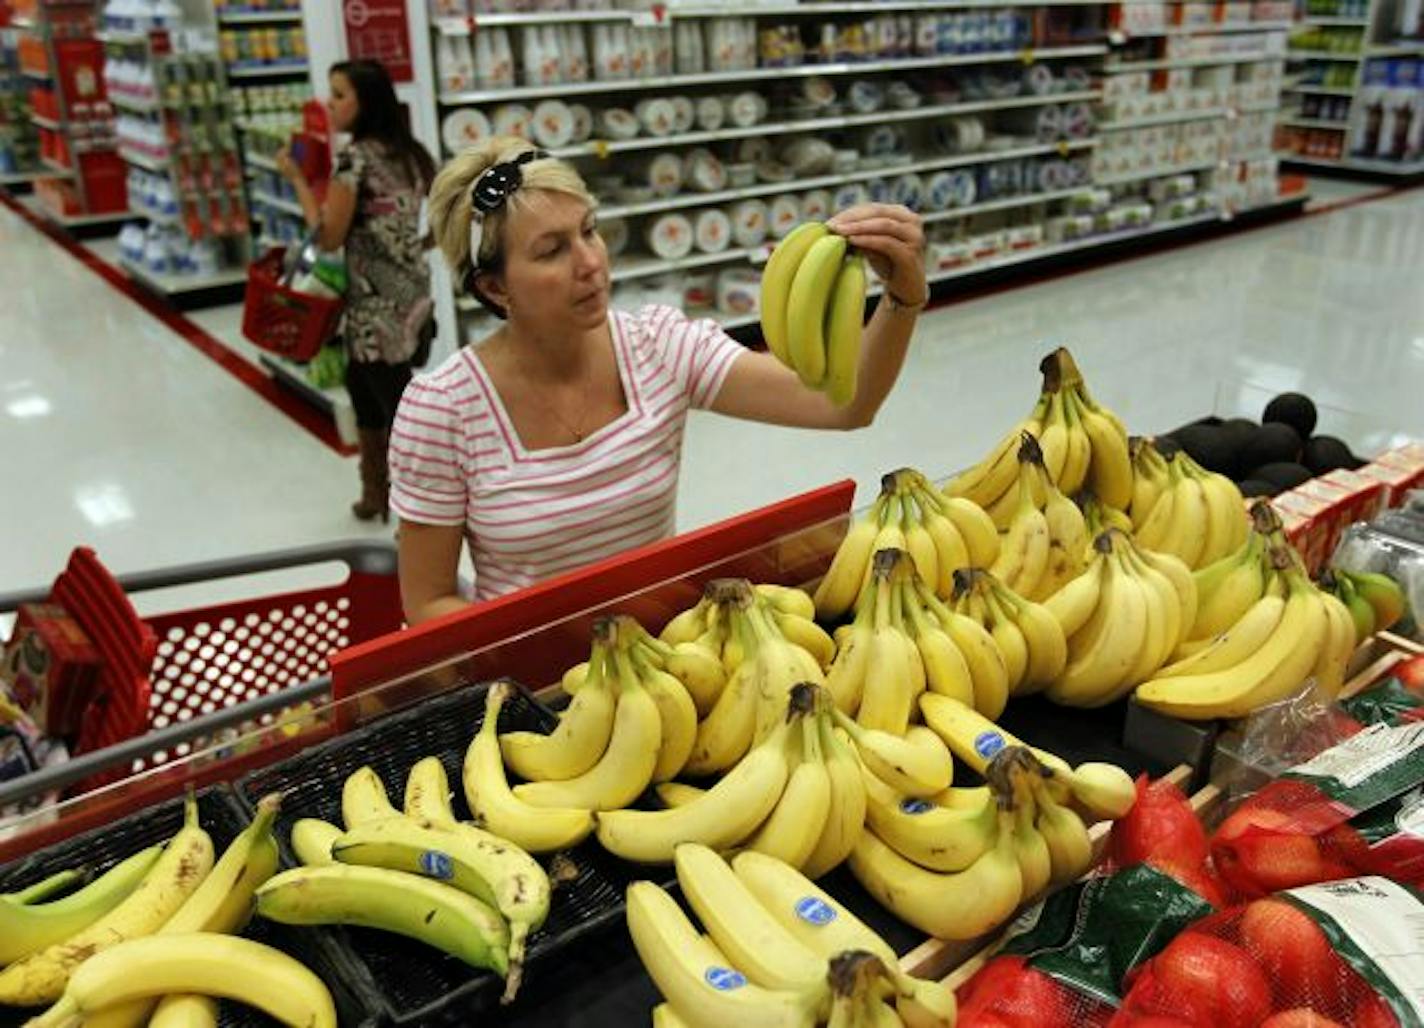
[1065, 961]
[1337, 955]
[1355, 809]
[1163, 831]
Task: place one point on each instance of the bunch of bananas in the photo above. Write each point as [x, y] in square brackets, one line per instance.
[813, 309]
[419, 873]
[960, 866]
[777, 951]
[904, 640]
[152, 939]
[1227, 588]
[941, 533]
[796, 796]
[1124, 618]
[1027, 634]
[1375, 601]
[1083, 444]
[1293, 632]
[1179, 507]
[1098, 517]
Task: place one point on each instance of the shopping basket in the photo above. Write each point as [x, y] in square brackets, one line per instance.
[231, 666]
[282, 320]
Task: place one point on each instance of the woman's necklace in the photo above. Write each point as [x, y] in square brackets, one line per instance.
[574, 429]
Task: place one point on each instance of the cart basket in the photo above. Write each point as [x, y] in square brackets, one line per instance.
[282, 320]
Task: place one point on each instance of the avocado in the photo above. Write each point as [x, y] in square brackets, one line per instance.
[1293, 409]
[1324, 453]
[1273, 443]
[1207, 446]
[1282, 474]
[1253, 487]
[1238, 433]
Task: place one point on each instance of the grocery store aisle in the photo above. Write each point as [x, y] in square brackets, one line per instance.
[120, 434]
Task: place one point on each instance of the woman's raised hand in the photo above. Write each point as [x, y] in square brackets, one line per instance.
[892, 238]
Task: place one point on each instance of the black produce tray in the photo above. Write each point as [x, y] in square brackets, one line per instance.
[418, 985]
[223, 818]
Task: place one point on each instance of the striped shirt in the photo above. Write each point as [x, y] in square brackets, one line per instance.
[456, 459]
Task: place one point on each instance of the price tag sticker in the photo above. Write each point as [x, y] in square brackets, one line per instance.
[1026, 55]
[1063, 148]
[600, 148]
[654, 17]
[472, 24]
[761, 254]
[1117, 37]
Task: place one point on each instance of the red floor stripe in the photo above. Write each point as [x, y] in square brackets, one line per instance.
[252, 377]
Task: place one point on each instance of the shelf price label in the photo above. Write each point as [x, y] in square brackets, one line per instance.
[600, 148]
[1026, 55]
[652, 18]
[1063, 149]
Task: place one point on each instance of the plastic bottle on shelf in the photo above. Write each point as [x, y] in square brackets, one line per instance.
[690, 56]
[449, 67]
[531, 56]
[575, 47]
[555, 65]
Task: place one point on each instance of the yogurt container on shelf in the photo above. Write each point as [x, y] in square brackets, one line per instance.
[669, 236]
[738, 291]
[704, 172]
[741, 175]
[753, 149]
[583, 122]
[908, 190]
[750, 222]
[657, 116]
[712, 231]
[618, 123]
[746, 109]
[699, 289]
[464, 127]
[684, 113]
[711, 113]
[816, 205]
[553, 124]
[514, 120]
[783, 214]
[663, 173]
[849, 195]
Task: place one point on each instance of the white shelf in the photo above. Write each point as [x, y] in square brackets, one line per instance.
[1316, 123]
[1123, 35]
[1175, 117]
[1323, 55]
[1006, 204]
[277, 203]
[258, 17]
[461, 26]
[1399, 49]
[334, 402]
[669, 82]
[1359, 164]
[1330, 20]
[258, 160]
[830, 181]
[1191, 62]
[267, 71]
[128, 103]
[154, 164]
[1139, 176]
[1322, 90]
[173, 285]
[820, 124]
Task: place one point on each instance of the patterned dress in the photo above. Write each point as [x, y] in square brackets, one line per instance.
[388, 296]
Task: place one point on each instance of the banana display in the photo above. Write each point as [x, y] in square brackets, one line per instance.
[1045, 537]
[1291, 632]
[1083, 444]
[941, 533]
[1027, 634]
[813, 309]
[1179, 507]
[1375, 601]
[777, 951]
[1124, 618]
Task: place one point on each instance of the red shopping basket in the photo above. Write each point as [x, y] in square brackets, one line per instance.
[281, 320]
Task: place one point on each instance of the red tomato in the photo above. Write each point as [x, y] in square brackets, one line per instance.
[1210, 979]
[1411, 673]
[1195, 877]
[1160, 824]
[1273, 858]
[1015, 995]
[1295, 953]
[1300, 1017]
[1373, 1012]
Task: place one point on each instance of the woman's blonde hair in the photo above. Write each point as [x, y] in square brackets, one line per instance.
[450, 199]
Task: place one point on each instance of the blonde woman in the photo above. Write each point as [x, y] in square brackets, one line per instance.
[556, 441]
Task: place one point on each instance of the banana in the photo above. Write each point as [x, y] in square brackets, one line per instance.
[723, 816]
[919, 544]
[364, 798]
[664, 1016]
[840, 586]
[312, 839]
[1337, 649]
[776, 280]
[677, 794]
[962, 905]
[41, 976]
[845, 819]
[792, 830]
[1023, 555]
[726, 734]
[1161, 624]
[1227, 524]
[845, 322]
[1235, 644]
[1103, 655]
[917, 763]
[1069, 845]
[845, 680]
[1179, 576]
[777, 665]
[1227, 589]
[436, 914]
[48, 888]
[696, 978]
[1382, 593]
[572, 680]
[1080, 447]
[888, 696]
[810, 296]
[808, 635]
[1067, 543]
[185, 1011]
[195, 962]
[1105, 791]
[700, 671]
[1163, 591]
[427, 792]
[678, 715]
[627, 765]
[1030, 849]
[975, 527]
[1149, 482]
[689, 625]
[754, 941]
[27, 928]
[1008, 638]
[935, 837]
[980, 652]
[496, 808]
[581, 736]
[997, 473]
[1110, 473]
[787, 599]
[976, 740]
[1272, 673]
[1044, 639]
[946, 670]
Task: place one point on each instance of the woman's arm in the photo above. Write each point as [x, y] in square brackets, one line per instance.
[429, 560]
[760, 388]
[332, 219]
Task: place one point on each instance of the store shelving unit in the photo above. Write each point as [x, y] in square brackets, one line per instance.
[19, 143]
[1338, 91]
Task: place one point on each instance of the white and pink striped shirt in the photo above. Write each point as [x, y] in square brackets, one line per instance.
[456, 459]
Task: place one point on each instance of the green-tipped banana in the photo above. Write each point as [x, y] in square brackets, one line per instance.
[438, 915]
[806, 308]
[776, 279]
[48, 888]
[1382, 593]
[845, 322]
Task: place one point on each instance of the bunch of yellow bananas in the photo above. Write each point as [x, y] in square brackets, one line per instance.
[777, 951]
[813, 309]
[1030, 638]
[152, 940]
[1083, 444]
[1179, 507]
[904, 640]
[1229, 586]
[796, 796]
[941, 533]
[1291, 634]
[1124, 617]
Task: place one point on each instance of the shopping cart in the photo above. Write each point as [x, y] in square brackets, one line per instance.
[282, 320]
[232, 666]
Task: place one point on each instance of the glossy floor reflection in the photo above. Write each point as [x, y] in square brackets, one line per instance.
[120, 435]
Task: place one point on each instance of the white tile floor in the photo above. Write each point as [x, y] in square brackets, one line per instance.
[119, 434]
